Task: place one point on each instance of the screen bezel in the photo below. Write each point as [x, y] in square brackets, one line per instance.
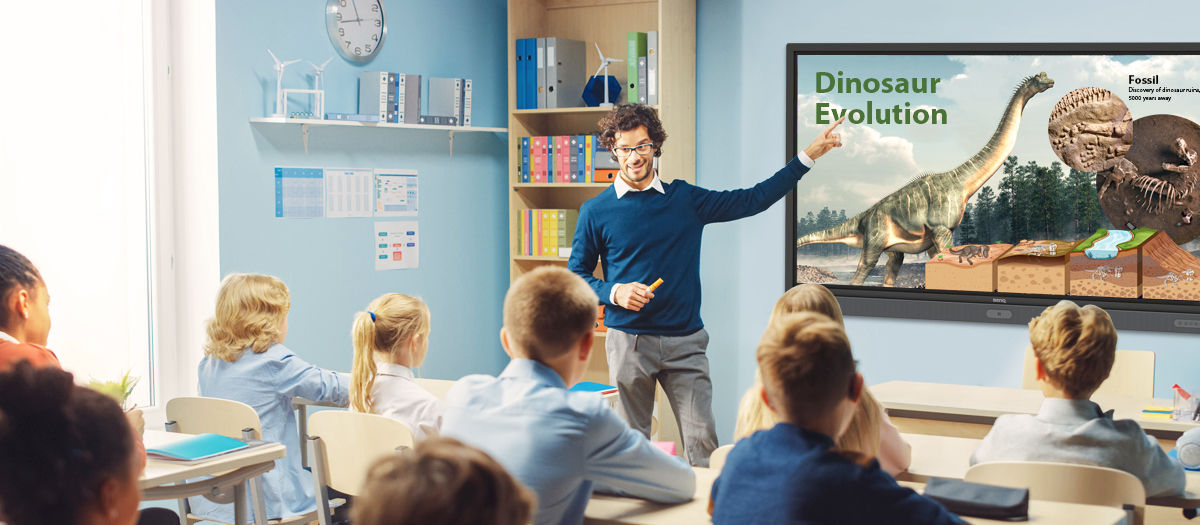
[995, 307]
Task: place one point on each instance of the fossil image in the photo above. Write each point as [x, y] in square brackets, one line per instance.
[1091, 129]
[1155, 184]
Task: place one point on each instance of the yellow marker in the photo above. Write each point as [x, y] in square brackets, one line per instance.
[655, 285]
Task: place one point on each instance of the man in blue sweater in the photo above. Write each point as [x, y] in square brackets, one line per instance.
[642, 229]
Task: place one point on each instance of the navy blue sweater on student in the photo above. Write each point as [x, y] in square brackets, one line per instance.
[647, 235]
[791, 475]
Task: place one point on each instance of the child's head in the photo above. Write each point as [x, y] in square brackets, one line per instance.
[68, 452]
[808, 297]
[809, 375]
[548, 313]
[24, 301]
[441, 481]
[251, 312]
[1074, 346]
[395, 329]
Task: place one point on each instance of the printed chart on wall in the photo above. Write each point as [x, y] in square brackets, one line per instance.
[348, 192]
[396, 245]
[299, 192]
[396, 193]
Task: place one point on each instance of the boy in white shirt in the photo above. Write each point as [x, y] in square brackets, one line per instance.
[1075, 348]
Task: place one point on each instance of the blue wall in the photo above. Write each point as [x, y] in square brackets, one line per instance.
[327, 263]
[740, 96]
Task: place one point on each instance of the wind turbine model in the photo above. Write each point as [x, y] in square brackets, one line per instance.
[604, 62]
[319, 73]
[279, 67]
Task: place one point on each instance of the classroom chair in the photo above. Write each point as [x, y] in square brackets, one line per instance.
[343, 445]
[198, 415]
[1132, 374]
[437, 387]
[717, 459]
[1067, 482]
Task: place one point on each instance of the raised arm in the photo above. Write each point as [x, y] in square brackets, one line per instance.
[721, 206]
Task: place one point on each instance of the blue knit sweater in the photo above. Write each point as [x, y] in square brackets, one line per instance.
[647, 235]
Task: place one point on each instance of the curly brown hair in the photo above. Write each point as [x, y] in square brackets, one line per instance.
[629, 116]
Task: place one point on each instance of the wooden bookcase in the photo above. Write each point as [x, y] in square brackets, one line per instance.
[603, 22]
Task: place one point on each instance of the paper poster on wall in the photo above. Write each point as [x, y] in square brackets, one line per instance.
[396, 245]
[348, 192]
[299, 192]
[396, 193]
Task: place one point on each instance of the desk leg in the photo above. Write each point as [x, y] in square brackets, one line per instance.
[302, 426]
[239, 503]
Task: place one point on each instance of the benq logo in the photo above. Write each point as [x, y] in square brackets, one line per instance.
[999, 300]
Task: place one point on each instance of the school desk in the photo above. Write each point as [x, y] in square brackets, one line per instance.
[164, 479]
[950, 457]
[969, 411]
[624, 510]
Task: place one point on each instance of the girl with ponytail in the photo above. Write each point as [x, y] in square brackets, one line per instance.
[391, 338]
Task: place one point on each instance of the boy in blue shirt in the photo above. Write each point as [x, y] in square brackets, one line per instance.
[792, 473]
[559, 443]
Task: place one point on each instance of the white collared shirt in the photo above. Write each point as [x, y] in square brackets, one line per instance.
[9, 338]
[397, 396]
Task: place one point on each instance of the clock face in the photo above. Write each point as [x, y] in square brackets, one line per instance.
[356, 27]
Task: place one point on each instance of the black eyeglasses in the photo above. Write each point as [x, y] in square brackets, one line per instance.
[641, 149]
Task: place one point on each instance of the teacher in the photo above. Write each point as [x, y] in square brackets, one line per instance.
[642, 229]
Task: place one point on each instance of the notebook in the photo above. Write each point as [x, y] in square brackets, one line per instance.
[197, 447]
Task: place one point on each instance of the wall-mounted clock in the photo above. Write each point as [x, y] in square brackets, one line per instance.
[356, 27]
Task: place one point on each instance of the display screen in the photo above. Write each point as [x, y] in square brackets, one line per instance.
[1000, 174]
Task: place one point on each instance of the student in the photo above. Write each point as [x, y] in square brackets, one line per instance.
[1075, 348]
[441, 481]
[24, 312]
[68, 455]
[245, 360]
[870, 431]
[391, 338]
[793, 472]
[559, 443]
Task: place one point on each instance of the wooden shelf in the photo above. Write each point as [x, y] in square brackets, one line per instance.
[566, 111]
[352, 123]
[563, 185]
[539, 258]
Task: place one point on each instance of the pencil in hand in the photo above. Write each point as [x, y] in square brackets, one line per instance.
[656, 284]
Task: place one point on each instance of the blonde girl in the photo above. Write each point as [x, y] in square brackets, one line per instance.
[391, 338]
[870, 431]
[245, 360]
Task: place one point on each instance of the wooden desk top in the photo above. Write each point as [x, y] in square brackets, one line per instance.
[982, 404]
[950, 457]
[160, 472]
[621, 510]
[616, 509]
[1052, 512]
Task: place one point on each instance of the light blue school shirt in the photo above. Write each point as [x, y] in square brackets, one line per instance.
[1076, 431]
[268, 382]
[560, 443]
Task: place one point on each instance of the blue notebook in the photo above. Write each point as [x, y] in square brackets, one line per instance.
[197, 447]
[588, 386]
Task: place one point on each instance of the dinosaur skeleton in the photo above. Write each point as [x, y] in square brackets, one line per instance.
[1100, 272]
[1152, 193]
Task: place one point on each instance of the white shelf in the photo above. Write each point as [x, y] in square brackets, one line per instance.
[320, 122]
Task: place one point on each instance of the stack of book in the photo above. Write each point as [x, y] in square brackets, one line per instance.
[396, 97]
[642, 67]
[551, 72]
[565, 159]
[545, 233]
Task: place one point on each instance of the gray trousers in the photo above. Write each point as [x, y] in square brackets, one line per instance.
[636, 362]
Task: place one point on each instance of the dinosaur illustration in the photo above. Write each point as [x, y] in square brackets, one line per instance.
[970, 250]
[921, 215]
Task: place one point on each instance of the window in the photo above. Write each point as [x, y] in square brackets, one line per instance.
[78, 185]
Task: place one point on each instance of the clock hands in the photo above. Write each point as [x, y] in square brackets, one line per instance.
[357, 17]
